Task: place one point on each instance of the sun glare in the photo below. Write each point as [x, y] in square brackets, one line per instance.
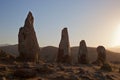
[117, 36]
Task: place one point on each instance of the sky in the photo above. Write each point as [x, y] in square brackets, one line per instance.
[95, 21]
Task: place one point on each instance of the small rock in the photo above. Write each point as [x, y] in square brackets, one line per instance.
[99, 76]
[74, 77]
[59, 78]
[3, 68]
[60, 67]
[81, 71]
[25, 73]
[45, 69]
[109, 77]
[3, 78]
[106, 67]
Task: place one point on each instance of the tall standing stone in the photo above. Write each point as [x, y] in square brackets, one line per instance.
[83, 53]
[27, 41]
[64, 52]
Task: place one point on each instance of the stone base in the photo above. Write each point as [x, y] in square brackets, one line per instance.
[83, 60]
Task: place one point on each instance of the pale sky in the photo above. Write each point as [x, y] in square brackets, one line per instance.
[95, 21]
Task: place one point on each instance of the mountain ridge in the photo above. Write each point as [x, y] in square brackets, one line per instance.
[49, 53]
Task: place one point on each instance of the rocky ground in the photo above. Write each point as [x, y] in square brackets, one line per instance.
[10, 69]
[54, 71]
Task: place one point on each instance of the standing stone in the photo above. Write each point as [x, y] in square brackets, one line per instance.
[101, 59]
[83, 53]
[101, 54]
[64, 52]
[27, 41]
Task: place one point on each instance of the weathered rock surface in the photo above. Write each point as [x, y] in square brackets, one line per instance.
[64, 52]
[83, 53]
[106, 67]
[48, 71]
[25, 73]
[101, 59]
[45, 69]
[27, 41]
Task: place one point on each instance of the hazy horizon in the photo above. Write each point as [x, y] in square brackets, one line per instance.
[96, 22]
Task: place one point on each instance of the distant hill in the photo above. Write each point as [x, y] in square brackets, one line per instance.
[13, 49]
[115, 49]
[49, 53]
[4, 45]
[6, 57]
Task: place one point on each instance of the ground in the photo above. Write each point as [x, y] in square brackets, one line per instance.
[54, 71]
